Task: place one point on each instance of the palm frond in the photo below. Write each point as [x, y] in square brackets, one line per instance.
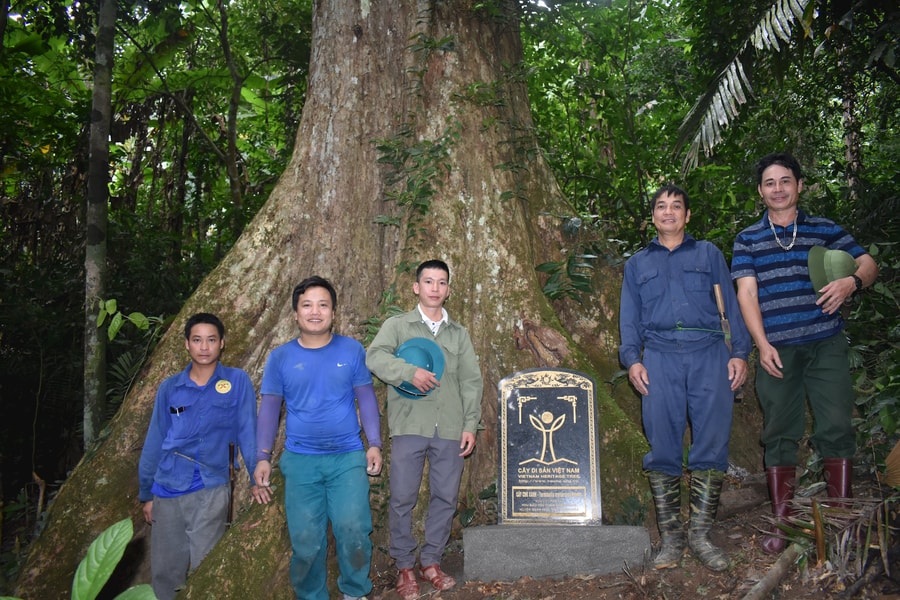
[891, 475]
[720, 104]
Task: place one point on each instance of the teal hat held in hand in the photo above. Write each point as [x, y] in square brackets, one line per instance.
[424, 353]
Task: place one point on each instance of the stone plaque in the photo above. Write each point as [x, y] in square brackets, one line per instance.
[548, 448]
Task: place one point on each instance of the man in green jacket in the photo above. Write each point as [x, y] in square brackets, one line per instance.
[439, 425]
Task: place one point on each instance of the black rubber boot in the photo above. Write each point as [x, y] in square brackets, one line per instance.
[706, 488]
[666, 491]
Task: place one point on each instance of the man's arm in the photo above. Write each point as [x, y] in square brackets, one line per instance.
[748, 300]
[471, 387]
[380, 358]
[266, 428]
[629, 331]
[247, 437]
[371, 424]
[151, 453]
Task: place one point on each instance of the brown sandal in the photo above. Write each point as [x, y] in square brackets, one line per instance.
[437, 578]
[407, 586]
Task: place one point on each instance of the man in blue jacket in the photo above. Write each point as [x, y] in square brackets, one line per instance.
[184, 466]
[673, 348]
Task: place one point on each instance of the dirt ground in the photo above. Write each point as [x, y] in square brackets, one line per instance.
[737, 532]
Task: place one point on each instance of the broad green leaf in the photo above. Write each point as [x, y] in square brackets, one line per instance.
[101, 559]
[111, 306]
[138, 592]
[139, 320]
[115, 325]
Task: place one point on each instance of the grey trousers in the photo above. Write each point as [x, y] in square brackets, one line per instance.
[184, 531]
[408, 454]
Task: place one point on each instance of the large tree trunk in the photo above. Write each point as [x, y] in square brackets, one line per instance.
[442, 80]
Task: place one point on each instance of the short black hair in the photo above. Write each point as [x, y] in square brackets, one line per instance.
[311, 282]
[433, 264]
[207, 318]
[670, 190]
[778, 158]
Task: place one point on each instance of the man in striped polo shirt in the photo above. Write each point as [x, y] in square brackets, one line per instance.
[798, 331]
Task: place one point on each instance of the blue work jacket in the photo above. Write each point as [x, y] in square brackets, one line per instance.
[192, 426]
[668, 303]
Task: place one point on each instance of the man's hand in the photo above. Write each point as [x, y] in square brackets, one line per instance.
[261, 491]
[425, 381]
[835, 293]
[374, 461]
[637, 375]
[467, 443]
[148, 511]
[261, 494]
[770, 361]
[737, 373]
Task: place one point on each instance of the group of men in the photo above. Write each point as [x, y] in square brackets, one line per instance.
[677, 297]
[686, 353]
[324, 381]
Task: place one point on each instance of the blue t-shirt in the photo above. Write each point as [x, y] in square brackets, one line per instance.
[317, 387]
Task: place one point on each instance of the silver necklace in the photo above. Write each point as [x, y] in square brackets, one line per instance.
[778, 241]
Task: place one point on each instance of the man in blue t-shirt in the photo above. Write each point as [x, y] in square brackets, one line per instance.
[184, 466]
[321, 377]
[798, 331]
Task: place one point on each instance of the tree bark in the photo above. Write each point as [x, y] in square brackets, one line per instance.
[95, 223]
[430, 94]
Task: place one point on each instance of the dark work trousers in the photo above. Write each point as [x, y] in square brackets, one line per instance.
[819, 370]
[687, 386]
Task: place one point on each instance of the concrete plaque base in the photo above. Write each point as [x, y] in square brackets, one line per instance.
[508, 552]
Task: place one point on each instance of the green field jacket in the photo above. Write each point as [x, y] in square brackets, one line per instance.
[449, 410]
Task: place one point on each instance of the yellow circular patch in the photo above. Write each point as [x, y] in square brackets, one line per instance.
[223, 386]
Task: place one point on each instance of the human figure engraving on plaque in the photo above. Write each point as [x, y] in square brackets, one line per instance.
[547, 426]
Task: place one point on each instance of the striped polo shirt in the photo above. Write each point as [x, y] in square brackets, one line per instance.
[786, 295]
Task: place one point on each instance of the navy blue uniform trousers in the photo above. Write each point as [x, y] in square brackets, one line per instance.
[687, 387]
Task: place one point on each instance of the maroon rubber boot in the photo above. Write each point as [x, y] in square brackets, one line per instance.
[781, 490]
[838, 473]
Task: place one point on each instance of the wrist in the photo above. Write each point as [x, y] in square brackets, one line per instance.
[857, 282]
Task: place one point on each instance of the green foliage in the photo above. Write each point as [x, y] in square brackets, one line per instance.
[109, 308]
[173, 210]
[387, 307]
[101, 559]
[417, 171]
[875, 335]
[482, 509]
[601, 116]
[569, 278]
